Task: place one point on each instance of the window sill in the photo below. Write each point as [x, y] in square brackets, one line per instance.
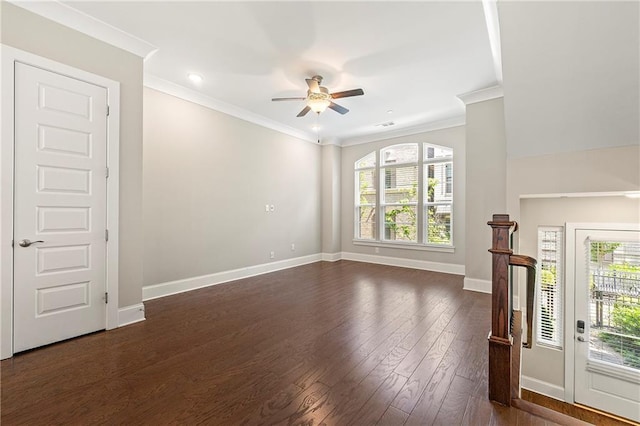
[405, 246]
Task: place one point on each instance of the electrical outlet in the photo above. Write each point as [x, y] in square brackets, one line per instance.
[377, 249]
[272, 255]
[293, 247]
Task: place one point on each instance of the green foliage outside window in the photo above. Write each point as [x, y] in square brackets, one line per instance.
[437, 230]
[625, 316]
[407, 213]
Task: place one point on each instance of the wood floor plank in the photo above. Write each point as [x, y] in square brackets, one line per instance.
[425, 410]
[393, 417]
[374, 409]
[334, 342]
[477, 412]
[421, 377]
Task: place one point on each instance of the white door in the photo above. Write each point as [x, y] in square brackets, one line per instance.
[607, 329]
[59, 208]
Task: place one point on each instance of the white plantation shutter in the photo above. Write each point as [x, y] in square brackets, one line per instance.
[550, 287]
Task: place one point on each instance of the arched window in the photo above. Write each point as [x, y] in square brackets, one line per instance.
[410, 187]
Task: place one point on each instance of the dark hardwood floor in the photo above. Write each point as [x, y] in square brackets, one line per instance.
[327, 343]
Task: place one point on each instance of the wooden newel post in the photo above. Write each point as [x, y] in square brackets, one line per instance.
[500, 339]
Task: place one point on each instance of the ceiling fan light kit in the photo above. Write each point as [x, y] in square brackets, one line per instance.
[318, 102]
[319, 99]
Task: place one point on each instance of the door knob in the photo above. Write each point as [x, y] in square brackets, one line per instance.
[580, 339]
[27, 243]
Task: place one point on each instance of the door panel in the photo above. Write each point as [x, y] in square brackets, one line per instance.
[607, 364]
[60, 205]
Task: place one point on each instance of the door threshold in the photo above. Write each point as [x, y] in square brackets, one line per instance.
[577, 411]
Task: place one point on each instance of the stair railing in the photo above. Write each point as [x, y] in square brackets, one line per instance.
[505, 338]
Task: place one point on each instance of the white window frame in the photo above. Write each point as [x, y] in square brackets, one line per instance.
[557, 341]
[358, 204]
[421, 204]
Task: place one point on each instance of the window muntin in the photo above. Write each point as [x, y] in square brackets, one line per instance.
[366, 197]
[410, 175]
[549, 307]
[438, 206]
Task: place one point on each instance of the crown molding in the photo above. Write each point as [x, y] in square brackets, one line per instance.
[482, 95]
[80, 21]
[191, 95]
[458, 120]
[331, 141]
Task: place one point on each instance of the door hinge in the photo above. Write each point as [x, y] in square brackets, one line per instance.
[106, 298]
[106, 235]
[108, 110]
[106, 174]
[12, 241]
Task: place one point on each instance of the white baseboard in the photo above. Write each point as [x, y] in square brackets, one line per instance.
[331, 257]
[473, 284]
[543, 388]
[131, 314]
[447, 268]
[180, 286]
[188, 284]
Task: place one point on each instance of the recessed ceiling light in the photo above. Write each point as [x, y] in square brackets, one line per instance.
[390, 111]
[195, 78]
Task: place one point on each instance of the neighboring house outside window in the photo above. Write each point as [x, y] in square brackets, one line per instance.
[410, 188]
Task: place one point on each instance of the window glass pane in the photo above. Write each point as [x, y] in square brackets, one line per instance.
[614, 302]
[439, 182]
[400, 184]
[549, 299]
[400, 223]
[432, 151]
[438, 220]
[366, 187]
[368, 160]
[394, 172]
[399, 154]
[366, 222]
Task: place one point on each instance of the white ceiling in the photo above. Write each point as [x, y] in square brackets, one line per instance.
[413, 58]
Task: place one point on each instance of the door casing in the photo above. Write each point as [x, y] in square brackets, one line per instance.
[9, 57]
[570, 279]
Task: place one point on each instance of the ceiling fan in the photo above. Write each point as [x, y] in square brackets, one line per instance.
[318, 97]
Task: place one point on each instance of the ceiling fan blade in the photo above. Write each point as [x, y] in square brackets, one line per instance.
[288, 99]
[304, 111]
[337, 108]
[347, 93]
[313, 85]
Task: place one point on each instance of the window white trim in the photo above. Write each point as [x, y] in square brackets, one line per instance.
[556, 299]
[421, 204]
[404, 245]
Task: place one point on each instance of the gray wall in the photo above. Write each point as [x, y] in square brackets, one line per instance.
[207, 179]
[452, 137]
[331, 191]
[570, 75]
[486, 183]
[33, 33]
